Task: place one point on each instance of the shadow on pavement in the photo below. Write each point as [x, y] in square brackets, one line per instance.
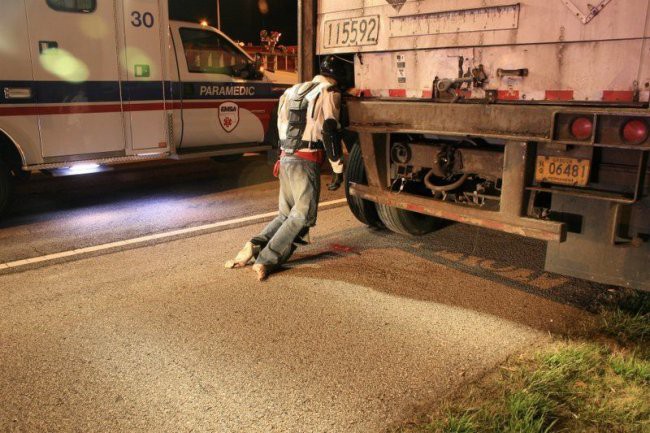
[463, 266]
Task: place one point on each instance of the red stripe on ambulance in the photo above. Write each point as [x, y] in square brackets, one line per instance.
[44, 110]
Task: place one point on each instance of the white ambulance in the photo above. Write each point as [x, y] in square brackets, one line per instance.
[90, 83]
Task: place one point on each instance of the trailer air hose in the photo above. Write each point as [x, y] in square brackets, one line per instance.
[443, 188]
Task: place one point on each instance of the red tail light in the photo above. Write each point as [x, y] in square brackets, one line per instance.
[635, 131]
[582, 127]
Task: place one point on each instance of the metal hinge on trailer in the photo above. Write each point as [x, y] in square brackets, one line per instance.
[593, 10]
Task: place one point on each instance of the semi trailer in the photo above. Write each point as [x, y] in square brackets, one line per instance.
[526, 117]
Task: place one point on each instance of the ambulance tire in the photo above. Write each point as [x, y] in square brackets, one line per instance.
[364, 210]
[5, 187]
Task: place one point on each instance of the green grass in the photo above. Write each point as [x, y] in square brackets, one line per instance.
[463, 423]
[628, 322]
[591, 385]
[528, 411]
[631, 368]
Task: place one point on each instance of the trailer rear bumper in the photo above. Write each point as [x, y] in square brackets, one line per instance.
[528, 227]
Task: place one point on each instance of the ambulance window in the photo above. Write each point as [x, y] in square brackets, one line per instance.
[84, 6]
[209, 53]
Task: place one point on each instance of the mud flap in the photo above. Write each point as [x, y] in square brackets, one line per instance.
[611, 246]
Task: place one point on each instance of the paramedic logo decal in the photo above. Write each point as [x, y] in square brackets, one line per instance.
[228, 116]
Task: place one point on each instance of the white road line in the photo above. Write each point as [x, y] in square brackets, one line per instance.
[148, 238]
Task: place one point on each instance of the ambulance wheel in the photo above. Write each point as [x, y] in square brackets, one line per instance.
[364, 210]
[228, 158]
[406, 222]
[5, 187]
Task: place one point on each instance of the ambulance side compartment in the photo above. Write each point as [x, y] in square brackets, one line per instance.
[146, 88]
[83, 85]
[77, 79]
[19, 133]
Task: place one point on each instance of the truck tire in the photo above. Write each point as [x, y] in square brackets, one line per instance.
[406, 222]
[364, 210]
[5, 187]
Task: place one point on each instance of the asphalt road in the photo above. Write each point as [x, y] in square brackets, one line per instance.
[363, 330]
[59, 214]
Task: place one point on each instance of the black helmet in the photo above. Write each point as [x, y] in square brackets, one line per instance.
[333, 67]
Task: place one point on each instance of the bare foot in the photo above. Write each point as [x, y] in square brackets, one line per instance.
[261, 271]
[243, 257]
[230, 264]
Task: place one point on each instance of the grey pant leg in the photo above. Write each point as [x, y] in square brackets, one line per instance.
[299, 189]
[285, 203]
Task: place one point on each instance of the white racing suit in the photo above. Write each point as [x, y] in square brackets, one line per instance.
[299, 172]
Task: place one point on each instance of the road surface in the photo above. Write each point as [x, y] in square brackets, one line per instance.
[363, 330]
[59, 214]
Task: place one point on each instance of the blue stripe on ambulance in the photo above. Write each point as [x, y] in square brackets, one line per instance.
[54, 92]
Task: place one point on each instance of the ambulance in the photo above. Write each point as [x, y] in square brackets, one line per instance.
[86, 84]
[529, 117]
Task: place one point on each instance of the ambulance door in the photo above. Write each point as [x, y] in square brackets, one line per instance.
[219, 108]
[18, 116]
[142, 60]
[74, 60]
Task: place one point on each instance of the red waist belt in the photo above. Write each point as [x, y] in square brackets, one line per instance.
[317, 156]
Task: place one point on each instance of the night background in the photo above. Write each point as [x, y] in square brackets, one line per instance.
[242, 20]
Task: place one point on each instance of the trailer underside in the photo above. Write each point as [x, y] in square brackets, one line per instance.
[599, 231]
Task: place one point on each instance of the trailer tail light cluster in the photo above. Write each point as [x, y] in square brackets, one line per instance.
[582, 128]
[635, 132]
[601, 129]
[574, 127]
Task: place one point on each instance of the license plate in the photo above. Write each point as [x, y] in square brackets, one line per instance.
[351, 32]
[564, 171]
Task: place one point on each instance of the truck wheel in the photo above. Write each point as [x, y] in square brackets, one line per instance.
[5, 187]
[364, 210]
[406, 222]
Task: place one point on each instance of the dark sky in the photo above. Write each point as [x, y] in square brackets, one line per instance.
[242, 19]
